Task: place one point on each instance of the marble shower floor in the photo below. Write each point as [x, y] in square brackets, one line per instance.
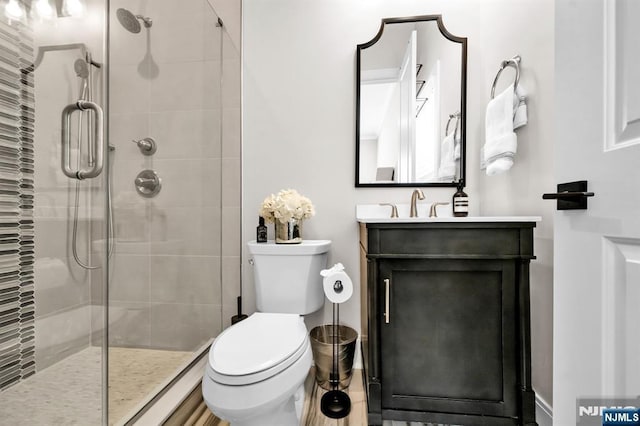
[136, 373]
[69, 392]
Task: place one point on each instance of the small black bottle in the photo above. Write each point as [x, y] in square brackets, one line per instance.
[261, 231]
[460, 203]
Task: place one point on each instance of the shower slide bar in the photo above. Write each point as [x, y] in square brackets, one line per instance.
[57, 47]
[98, 140]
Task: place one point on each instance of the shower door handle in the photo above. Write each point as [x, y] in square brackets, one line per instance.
[98, 140]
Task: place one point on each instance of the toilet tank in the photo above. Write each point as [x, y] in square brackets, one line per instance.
[287, 276]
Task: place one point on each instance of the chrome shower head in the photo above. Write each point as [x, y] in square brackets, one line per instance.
[81, 68]
[131, 22]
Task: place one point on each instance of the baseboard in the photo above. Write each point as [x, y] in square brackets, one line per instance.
[544, 412]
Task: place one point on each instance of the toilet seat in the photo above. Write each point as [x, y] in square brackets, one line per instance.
[257, 348]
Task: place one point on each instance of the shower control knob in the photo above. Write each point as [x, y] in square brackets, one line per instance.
[148, 183]
[145, 182]
[147, 146]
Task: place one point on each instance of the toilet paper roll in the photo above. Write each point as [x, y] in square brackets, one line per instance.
[337, 285]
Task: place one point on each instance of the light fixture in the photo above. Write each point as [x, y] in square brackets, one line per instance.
[13, 10]
[42, 9]
[73, 8]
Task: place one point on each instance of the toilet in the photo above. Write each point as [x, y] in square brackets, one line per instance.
[256, 368]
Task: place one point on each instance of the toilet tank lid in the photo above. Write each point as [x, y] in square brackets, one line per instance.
[306, 247]
[258, 343]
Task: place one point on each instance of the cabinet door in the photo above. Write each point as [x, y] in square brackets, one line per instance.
[449, 345]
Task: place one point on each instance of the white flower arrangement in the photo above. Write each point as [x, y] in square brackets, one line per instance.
[286, 205]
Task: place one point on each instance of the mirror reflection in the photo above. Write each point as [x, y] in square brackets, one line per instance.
[411, 90]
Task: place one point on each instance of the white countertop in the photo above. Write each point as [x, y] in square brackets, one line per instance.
[467, 219]
[374, 213]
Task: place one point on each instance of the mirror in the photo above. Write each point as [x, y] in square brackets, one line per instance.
[410, 107]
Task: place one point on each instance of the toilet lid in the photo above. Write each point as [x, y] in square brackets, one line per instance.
[261, 342]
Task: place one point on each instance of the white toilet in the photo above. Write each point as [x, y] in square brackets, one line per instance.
[257, 367]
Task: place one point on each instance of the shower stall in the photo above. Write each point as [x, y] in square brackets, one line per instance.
[119, 201]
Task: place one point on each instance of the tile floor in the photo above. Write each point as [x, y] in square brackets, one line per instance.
[313, 394]
[312, 416]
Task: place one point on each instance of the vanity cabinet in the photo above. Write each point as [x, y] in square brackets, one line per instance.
[445, 310]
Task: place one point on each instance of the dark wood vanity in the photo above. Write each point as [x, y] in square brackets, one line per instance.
[445, 321]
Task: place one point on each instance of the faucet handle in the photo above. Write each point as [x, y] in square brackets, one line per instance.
[432, 211]
[394, 209]
[147, 146]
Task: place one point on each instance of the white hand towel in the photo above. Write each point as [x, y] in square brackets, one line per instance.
[447, 169]
[500, 141]
[499, 155]
[520, 107]
[456, 150]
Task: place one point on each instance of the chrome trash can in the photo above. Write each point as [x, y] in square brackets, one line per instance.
[322, 347]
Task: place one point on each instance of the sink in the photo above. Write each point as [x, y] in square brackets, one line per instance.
[374, 213]
[377, 213]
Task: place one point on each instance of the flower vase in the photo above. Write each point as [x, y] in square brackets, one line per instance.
[289, 232]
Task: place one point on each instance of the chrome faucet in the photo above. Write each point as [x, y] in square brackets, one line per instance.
[415, 196]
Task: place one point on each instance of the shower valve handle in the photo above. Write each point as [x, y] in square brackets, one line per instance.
[146, 182]
[147, 146]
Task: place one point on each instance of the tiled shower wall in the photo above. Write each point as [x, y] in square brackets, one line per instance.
[17, 357]
[177, 251]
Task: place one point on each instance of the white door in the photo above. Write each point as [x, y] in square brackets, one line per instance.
[407, 83]
[597, 251]
[428, 140]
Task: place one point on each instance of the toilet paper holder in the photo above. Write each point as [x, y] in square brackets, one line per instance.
[336, 404]
[337, 285]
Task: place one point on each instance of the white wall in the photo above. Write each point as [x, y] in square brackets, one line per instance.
[299, 131]
[433, 49]
[525, 28]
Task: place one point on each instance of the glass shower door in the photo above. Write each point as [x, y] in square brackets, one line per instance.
[53, 213]
[165, 290]
[133, 254]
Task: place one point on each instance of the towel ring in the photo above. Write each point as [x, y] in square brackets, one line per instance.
[455, 115]
[514, 63]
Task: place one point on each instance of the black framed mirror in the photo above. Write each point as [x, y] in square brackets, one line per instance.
[411, 92]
